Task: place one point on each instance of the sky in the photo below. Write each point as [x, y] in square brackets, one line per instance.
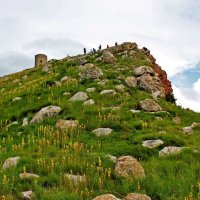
[169, 28]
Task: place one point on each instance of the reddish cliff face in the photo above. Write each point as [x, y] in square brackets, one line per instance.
[161, 74]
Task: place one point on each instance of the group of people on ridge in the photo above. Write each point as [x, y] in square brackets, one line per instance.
[94, 50]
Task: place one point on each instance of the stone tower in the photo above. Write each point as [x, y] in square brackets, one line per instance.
[40, 59]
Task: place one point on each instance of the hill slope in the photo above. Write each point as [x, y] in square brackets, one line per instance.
[67, 126]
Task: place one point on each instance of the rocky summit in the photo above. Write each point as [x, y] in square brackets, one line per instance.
[102, 125]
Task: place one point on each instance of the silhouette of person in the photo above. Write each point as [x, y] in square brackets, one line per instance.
[107, 46]
[94, 50]
[84, 50]
[116, 43]
[99, 47]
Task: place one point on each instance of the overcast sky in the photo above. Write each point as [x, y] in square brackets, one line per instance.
[169, 28]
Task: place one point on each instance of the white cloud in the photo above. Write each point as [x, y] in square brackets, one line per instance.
[197, 86]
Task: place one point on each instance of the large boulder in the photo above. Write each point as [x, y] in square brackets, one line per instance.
[150, 106]
[10, 162]
[102, 131]
[79, 96]
[131, 81]
[135, 196]
[152, 143]
[67, 124]
[170, 150]
[90, 71]
[46, 112]
[139, 71]
[129, 167]
[108, 57]
[151, 84]
[106, 197]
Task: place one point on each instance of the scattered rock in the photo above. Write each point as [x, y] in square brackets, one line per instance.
[89, 102]
[157, 94]
[27, 195]
[129, 167]
[12, 123]
[79, 96]
[46, 112]
[187, 130]
[120, 88]
[135, 196]
[103, 92]
[170, 150]
[23, 176]
[67, 124]
[75, 178]
[152, 143]
[131, 81]
[195, 125]
[111, 158]
[139, 71]
[10, 162]
[67, 93]
[162, 132]
[135, 111]
[150, 106]
[45, 69]
[65, 78]
[17, 99]
[24, 77]
[102, 131]
[90, 71]
[106, 197]
[108, 57]
[176, 120]
[90, 90]
[25, 121]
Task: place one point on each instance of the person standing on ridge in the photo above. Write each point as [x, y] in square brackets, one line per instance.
[116, 43]
[84, 50]
[99, 47]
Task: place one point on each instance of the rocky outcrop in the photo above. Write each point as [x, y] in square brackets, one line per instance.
[90, 71]
[129, 167]
[149, 105]
[125, 47]
[79, 96]
[151, 84]
[136, 196]
[142, 70]
[161, 74]
[46, 112]
[102, 131]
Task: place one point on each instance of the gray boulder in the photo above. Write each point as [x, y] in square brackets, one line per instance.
[106, 197]
[46, 112]
[150, 106]
[89, 102]
[136, 196]
[152, 143]
[108, 57]
[79, 96]
[10, 162]
[170, 150]
[102, 131]
[27, 195]
[67, 124]
[139, 71]
[105, 92]
[90, 71]
[131, 81]
[187, 130]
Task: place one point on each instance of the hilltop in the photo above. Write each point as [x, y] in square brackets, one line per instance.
[102, 125]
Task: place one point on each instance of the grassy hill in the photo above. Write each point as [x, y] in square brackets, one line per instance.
[51, 153]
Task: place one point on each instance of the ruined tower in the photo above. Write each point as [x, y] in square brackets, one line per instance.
[40, 59]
